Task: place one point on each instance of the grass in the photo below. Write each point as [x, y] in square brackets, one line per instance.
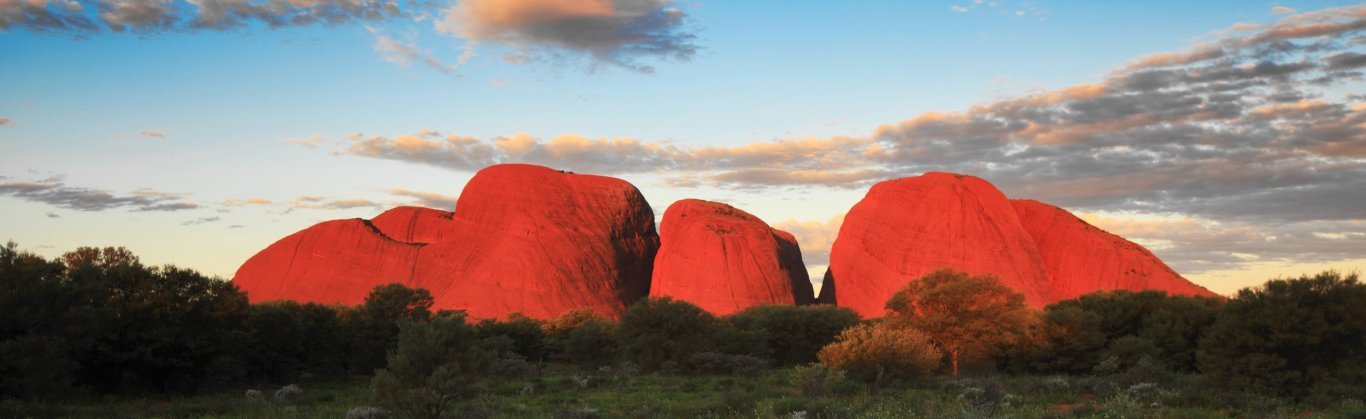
[568, 392]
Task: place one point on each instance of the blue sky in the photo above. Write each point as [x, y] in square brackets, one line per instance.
[218, 116]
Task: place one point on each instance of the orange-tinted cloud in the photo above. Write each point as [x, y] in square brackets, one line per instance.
[615, 32]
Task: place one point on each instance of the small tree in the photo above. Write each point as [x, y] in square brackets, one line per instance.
[881, 349]
[959, 311]
[658, 330]
[1290, 335]
[436, 365]
[373, 326]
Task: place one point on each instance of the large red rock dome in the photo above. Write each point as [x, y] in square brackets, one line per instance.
[905, 228]
[725, 260]
[333, 262]
[541, 242]
[523, 239]
[1083, 259]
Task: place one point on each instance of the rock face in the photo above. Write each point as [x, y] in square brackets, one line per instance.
[1083, 259]
[541, 242]
[725, 260]
[414, 224]
[523, 239]
[905, 228]
[333, 262]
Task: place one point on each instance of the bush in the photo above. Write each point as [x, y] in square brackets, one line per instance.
[792, 335]
[435, 365]
[880, 350]
[581, 336]
[719, 363]
[659, 330]
[528, 340]
[373, 326]
[1290, 335]
[1077, 335]
[960, 313]
[816, 380]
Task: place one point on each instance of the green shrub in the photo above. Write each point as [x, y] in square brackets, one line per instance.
[881, 350]
[719, 363]
[1290, 335]
[528, 340]
[436, 365]
[792, 335]
[659, 330]
[816, 380]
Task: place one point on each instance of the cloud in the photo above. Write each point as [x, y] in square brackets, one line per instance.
[150, 16]
[53, 215]
[613, 32]
[253, 201]
[201, 220]
[6, 121]
[1281, 10]
[1251, 129]
[318, 202]
[310, 142]
[405, 54]
[53, 191]
[774, 163]
[156, 133]
[426, 199]
[1194, 245]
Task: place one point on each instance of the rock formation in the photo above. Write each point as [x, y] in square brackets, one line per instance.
[725, 260]
[414, 224]
[1082, 259]
[541, 242]
[905, 228]
[523, 239]
[333, 262]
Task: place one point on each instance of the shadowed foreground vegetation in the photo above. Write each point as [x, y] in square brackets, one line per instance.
[567, 392]
[97, 334]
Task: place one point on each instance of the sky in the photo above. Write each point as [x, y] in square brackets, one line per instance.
[1229, 137]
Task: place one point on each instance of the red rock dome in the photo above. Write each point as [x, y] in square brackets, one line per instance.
[333, 262]
[541, 242]
[1083, 259]
[725, 260]
[414, 224]
[523, 239]
[905, 228]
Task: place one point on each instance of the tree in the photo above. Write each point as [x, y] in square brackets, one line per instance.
[881, 349]
[373, 326]
[581, 336]
[959, 311]
[1290, 335]
[792, 335]
[527, 338]
[435, 365]
[103, 258]
[659, 330]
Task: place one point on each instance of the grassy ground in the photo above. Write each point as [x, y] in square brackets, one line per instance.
[563, 392]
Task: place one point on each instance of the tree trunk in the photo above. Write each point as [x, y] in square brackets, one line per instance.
[953, 358]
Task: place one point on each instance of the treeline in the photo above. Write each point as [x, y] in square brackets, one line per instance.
[98, 321]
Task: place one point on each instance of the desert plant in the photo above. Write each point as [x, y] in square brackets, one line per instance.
[659, 330]
[958, 311]
[435, 365]
[1290, 335]
[791, 335]
[816, 380]
[881, 350]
